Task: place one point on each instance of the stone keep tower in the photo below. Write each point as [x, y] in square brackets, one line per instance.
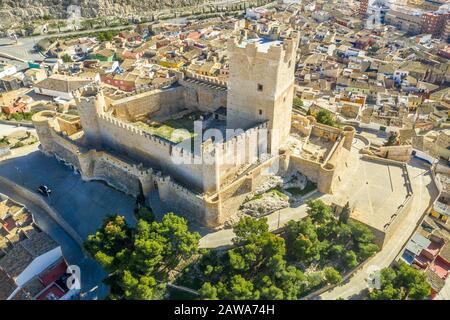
[261, 86]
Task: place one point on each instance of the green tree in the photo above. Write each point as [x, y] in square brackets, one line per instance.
[366, 250]
[403, 283]
[248, 229]
[242, 289]
[139, 259]
[392, 139]
[297, 103]
[325, 117]
[66, 58]
[414, 281]
[360, 232]
[319, 212]
[208, 291]
[302, 241]
[332, 276]
[110, 244]
[255, 269]
[350, 259]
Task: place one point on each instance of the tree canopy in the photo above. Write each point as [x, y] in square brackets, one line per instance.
[255, 269]
[323, 239]
[404, 282]
[139, 259]
[325, 117]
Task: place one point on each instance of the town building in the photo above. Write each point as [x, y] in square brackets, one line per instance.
[32, 265]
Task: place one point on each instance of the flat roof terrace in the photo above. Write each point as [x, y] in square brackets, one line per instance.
[375, 190]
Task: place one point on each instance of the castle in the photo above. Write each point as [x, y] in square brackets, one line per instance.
[203, 144]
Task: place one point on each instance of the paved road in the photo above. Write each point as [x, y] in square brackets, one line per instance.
[84, 205]
[6, 129]
[424, 193]
[444, 294]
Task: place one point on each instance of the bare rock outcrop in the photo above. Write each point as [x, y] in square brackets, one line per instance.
[14, 11]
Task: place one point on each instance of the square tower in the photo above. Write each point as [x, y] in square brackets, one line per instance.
[261, 86]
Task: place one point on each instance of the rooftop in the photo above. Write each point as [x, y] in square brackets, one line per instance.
[263, 44]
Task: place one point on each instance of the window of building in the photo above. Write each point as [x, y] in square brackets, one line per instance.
[260, 111]
[260, 87]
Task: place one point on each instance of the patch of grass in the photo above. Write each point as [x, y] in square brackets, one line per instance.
[278, 193]
[21, 116]
[167, 128]
[18, 145]
[296, 191]
[257, 197]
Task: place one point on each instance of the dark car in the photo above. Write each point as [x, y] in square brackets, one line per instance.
[44, 190]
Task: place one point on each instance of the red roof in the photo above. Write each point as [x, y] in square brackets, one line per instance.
[54, 273]
[440, 267]
[51, 293]
[10, 223]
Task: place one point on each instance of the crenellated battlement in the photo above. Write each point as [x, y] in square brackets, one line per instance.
[177, 187]
[205, 79]
[282, 50]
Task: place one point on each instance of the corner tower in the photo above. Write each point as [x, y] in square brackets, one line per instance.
[90, 103]
[261, 86]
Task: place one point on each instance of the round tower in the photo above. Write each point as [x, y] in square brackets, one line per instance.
[349, 133]
[42, 122]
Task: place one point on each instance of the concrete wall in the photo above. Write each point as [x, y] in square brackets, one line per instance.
[151, 150]
[326, 174]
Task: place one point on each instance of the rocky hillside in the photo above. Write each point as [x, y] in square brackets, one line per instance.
[14, 11]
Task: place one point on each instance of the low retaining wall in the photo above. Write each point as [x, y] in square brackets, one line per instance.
[363, 139]
[18, 123]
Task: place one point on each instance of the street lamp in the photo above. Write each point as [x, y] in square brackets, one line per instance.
[20, 176]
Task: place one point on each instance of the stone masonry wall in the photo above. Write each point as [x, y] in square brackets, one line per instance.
[148, 104]
[203, 97]
[153, 151]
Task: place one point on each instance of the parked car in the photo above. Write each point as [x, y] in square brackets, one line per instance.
[44, 190]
